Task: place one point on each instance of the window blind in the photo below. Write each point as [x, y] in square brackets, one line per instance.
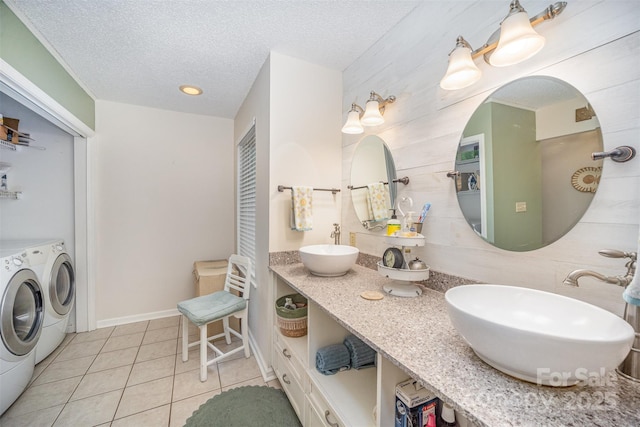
[246, 209]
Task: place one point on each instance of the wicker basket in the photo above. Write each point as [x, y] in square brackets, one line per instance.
[292, 323]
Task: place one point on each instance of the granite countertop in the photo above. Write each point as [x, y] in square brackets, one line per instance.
[416, 335]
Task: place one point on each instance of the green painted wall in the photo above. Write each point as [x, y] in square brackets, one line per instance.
[518, 179]
[22, 50]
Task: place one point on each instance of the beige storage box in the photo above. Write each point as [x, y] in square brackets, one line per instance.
[209, 277]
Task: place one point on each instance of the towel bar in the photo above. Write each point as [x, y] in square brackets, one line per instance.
[281, 188]
[404, 180]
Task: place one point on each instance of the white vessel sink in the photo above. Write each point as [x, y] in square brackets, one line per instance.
[539, 336]
[328, 260]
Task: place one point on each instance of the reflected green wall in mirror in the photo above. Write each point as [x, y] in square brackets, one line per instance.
[516, 159]
[372, 163]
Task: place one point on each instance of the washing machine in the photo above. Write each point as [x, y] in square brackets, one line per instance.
[53, 266]
[21, 323]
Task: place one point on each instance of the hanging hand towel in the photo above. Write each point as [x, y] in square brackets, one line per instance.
[301, 213]
[362, 356]
[378, 195]
[332, 359]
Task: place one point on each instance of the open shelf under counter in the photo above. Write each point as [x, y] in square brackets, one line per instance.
[351, 393]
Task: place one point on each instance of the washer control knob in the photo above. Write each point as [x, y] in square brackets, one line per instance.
[17, 261]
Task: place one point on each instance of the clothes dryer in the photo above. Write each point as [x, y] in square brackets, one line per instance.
[21, 321]
[54, 268]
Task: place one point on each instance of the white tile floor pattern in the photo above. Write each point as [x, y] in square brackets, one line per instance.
[129, 375]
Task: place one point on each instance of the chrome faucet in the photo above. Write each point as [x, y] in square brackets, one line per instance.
[336, 233]
[630, 367]
[572, 278]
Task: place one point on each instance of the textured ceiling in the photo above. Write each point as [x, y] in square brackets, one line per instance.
[140, 51]
[535, 93]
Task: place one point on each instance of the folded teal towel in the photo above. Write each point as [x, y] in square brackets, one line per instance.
[332, 359]
[361, 355]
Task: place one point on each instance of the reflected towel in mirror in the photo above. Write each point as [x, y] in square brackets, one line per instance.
[378, 201]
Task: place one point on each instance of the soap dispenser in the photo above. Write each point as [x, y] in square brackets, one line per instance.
[408, 229]
[393, 224]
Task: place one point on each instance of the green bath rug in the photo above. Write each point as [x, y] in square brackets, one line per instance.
[244, 407]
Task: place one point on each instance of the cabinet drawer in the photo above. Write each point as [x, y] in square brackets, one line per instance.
[290, 385]
[290, 356]
[320, 410]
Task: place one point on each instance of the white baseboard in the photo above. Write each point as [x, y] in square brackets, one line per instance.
[137, 318]
[266, 370]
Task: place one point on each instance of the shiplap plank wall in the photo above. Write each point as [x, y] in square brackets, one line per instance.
[593, 45]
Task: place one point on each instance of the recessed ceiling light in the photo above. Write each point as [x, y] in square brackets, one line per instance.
[191, 90]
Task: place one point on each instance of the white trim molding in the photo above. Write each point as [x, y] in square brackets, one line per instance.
[14, 84]
[17, 86]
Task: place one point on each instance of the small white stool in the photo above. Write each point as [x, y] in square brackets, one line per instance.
[219, 306]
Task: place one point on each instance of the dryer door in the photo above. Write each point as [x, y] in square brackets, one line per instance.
[21, 313]
[62, 284]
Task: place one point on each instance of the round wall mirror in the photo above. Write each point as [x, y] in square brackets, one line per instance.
[373, 190]
[524, 170]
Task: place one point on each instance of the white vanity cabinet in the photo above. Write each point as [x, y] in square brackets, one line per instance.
[364, 397]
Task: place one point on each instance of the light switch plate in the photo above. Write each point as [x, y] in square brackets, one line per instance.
[521, 207]
[352, 238]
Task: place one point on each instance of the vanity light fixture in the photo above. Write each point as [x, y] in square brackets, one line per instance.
[514, 42]
[370, 116]
[190, 90]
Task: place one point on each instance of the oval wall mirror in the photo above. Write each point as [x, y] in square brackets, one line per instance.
[373, 190]
[524, 170]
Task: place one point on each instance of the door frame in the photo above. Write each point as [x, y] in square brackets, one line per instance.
[18, 87]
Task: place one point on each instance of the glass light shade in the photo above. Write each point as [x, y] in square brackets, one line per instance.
[462, 71]
[353, 126]
[372, 115]
[518, 41]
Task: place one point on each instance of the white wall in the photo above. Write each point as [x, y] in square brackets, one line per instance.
[593, 45]
[305, 148]
[45, 177]
[560, 119]
[296, 106]
[256, 107]
[163, 199]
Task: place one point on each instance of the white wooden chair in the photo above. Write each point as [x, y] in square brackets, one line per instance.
[217, 306]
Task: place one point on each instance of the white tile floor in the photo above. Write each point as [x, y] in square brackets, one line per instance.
[129, 375]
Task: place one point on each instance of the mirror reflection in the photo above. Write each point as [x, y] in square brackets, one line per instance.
[373, 190]
[524, 170]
